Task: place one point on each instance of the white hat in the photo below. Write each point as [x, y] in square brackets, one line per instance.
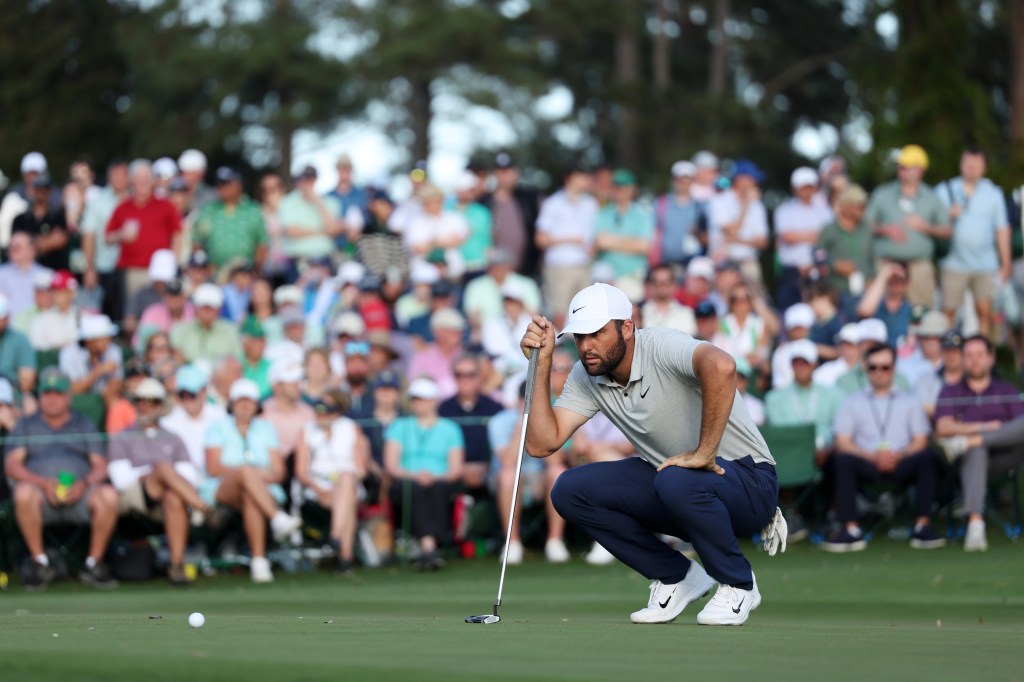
[150, 388]
[849, 333]
[873, 329]
[798, 315]
[350, 323]
[934, 324]
[95, 327]
[803, 349]
[424, 273]
[208, 295]
[701, 266]
[803, 177]
[285, 372]
[683, 169]
[514, 290]
[351, 272]
[288, 294]
[6, 392]
[466, 181]
[42, 278]
[593, 307]
[244, 388]
[165, 168]
[705, 159]
[192, 160]
[447, 318]
[163, 267]
[33, 162]
[5, 307]
[424, 388]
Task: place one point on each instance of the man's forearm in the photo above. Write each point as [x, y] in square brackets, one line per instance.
[542, 424]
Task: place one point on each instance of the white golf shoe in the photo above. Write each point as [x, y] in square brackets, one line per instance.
[282, 525]
[730, 606]
[599, 556]
[515, 553]
[259, 570]
[555, 551]
[975, 540]
[668, 601]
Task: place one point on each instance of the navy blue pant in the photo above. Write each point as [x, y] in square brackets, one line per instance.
[623, 504]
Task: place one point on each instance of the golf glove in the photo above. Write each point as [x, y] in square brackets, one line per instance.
[775, 533]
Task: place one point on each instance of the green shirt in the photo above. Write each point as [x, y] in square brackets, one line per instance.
[857, 380]
[230, 233]
[482, 298]
[197, 343]
[635, 223]
[856, 246]
[796, 405]
[480, 239]
[260, 373]
[295, 211]
[889, 207]
[15, 353]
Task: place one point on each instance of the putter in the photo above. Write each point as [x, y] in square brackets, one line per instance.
[531, 378]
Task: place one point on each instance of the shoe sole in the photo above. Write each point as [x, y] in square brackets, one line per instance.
[844, 547]
[686, 603]
[927, 544]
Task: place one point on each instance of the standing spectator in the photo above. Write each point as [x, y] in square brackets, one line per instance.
[849, 243]
[172, 309]
[803, 401]
[603, 188]
[19, 198]
[434, 234]
[423, 454]
[478, 219]
[97, 366]
[17, 357]
[231, 228]
[887, 299]
[828, 320]
[471, 410]
[705, 180]
[437, 359]
[882, 434]
[680, 220]
[285, 410]
[206, 337]
[245, 471]
[906, 217]
[565, 233]
[346, 193]
[192, 417]
[378, 247]
[56, 461]
[309, 222]
[100, 256]
[514, 211]
[982, 421]
[142, 225]
[951, 372]
[981, 239]
[738, 221]
[411, 207]
[482, 298]
[798, 222]
[623, 234]
[47, 226]
[19, 275]
[661, 308]
[271, 192]
[152, 470]
[192, 164]
[79, 191]
[57, 327]
[165, 170]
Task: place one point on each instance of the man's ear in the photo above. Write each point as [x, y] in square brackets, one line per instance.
[628, 328]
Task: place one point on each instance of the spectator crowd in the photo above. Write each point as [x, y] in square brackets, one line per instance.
[185, 353]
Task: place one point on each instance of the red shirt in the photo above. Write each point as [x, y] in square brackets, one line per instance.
[376, 315]
[158, 221]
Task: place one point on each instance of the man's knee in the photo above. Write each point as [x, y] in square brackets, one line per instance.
[27, 495]
[103, 498]
[565, 491]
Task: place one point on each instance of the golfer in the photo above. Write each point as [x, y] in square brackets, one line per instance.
[704, 473]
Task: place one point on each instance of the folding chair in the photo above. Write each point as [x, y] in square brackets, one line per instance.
[793, 448]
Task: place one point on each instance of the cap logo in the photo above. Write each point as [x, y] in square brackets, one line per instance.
[574, 310]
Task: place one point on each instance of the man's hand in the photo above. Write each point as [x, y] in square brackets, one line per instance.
[75, 492]
[886, 460]
[917, 223]
[893, 233]
[424, 478]
[993, 425]
[50, 490]
[955, 211]
[539, 334]
[91, 279]
[694, 460]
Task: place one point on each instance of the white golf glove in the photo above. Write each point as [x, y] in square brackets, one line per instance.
[775, 533]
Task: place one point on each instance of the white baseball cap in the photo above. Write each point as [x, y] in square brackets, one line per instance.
[798, 315]
[705, 159]
[934, 324]
[289, 293]
[803, 349]
[595, 306]
[803, 177]
[192, 160]
[513, 289]
[151, 389]
[849, 333]
[701, 266]
[244, 388]
[447, 318]
[683, 169]
[96, 327]
[873, 329]
[423, 272]
[165, 168]
[163, 267]
[285, 372]
[33, 162]
[208, 295]
[351, 272]
[350, 323]
[466, 181]
[424, 388]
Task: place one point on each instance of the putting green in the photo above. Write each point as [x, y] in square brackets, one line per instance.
[888, 613]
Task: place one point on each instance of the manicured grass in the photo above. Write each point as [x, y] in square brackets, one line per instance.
[888, 613]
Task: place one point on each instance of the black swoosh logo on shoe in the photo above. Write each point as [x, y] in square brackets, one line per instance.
[737, 609]
[644, 394]
[663, 604]
[575, 310]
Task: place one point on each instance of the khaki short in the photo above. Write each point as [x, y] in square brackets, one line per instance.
[561, 282]
[134, 499]
[955, 285]
[77, 514]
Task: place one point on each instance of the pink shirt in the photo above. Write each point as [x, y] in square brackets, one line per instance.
[157, 316]
[431, 362]
[288, 424]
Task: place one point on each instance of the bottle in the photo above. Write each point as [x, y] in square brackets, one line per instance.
[65, 480]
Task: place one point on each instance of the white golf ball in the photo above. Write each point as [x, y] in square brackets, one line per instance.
[197, 620]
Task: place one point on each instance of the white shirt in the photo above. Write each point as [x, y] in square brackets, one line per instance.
[193, 431]
[674, 316]
[736, 340]
[403, 214]
[755, 406]
[52, 329]
[424, 228]
[791, 216]
[725, 208]
[501, 341]
[562, 218]
[830, 372]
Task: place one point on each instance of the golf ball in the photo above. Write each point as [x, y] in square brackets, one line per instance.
[197, 620]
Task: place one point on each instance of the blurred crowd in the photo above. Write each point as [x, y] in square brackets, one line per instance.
[183, 352]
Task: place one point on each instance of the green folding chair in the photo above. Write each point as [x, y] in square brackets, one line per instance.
[93, 407]
[793, 448]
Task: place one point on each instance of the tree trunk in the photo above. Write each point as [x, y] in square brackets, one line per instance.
[1017, 72]
[720, 53]
[627, 73]
[661, 58]
[420, 114]
[285, 137]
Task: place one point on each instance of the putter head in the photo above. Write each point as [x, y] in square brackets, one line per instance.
[484, 620]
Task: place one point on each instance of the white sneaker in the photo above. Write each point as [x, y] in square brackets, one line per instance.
[515, 553]
[599, 556]
[283, 524]
[730, 606]
[259, 570]
[975, 540]
[555, 551]
[668, 601]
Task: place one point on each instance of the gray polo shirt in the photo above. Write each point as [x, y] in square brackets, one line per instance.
[877, 422]
[50, 451]
[659, 409]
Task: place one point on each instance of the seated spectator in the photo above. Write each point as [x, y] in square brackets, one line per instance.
[661, 308]
[743, 333]
[387, 407]
[442, 296]
[17, 358]
[43, 301]
[798, 222]
[237, 291]
[824, 301]
[423, 455]
[925, 355]
[96, 366]
[798, 320]
[154, 475]
[245, 471]
[290, 348]
[849, 243]
[225, 371]
[46, 225]
[435, 361]
[470, 409]
[930, 386]
[416, 303]
[500, 335]
[803, 401]
[317, 378]
[198, 270]
[383, 353]
[331, 458]
[255, 365]
[623, 233]
[848, 344]
[193, 416]
[162, 316]
[263, 298]
[698, 285]
[706, 318]
[435, 230]
[121, 412]
[347, 327]
[58, 326]
[882, 434]
[871, 332]
[163, 269]
[285, 410]
[981, 420]
[8, 419]
[157, 355]
[55, 460]
[738, 221]
[207, 337]
[755, 406]
[727, 275]
[357, 377]
[478, 219]
[886, 299]
[19, 275]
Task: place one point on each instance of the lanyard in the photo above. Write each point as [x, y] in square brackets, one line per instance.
[883, 423]
[805, 412]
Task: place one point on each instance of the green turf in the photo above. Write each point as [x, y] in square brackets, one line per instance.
[888, 613]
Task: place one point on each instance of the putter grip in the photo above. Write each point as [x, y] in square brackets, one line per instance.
[531, 379]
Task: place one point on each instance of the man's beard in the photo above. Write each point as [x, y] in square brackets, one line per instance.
[610, 361]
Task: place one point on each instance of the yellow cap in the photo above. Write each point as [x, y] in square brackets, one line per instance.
[913, 156]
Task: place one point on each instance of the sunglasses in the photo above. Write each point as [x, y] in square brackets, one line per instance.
[740, 299]
[879, 368]
[357, 348]
[152, 402]
[187, 395]
[159, 346]
[466, 375]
